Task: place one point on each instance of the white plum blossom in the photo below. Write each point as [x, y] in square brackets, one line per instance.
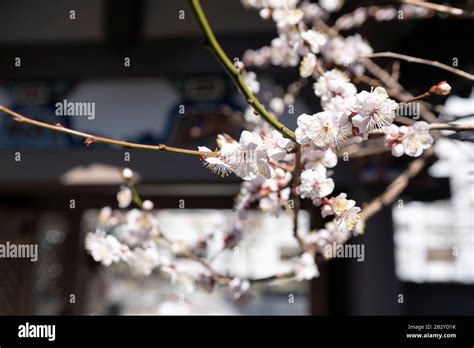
[313, 157]
[346, 52]
[136, 227]
[315, 184]
[305, 268]
[276, 145]
[277, 105]
[148, 205]
[239, 290]
[314, 39]
[331, 5]
[258, 57]
[144, 261]
[393, 139]
[284, 17]
[127, 173]
[275, 192]
[282, 53]
[105, 249]
[384, 14]
[358, 46]
[105, 215]
[347, 214]
[349, 220]
[338, 205]
[334, 83]
[340, 105]
[215, 164]
[250, 79]
[307, 65]
[124, 197]
[324, 129]
[251, 117]
[312, 11]
[353, 19]
[271, 193]
[265, 13]
[270, 4]
[248, 158]
[373, 110]
[411, 141]
[414, 11]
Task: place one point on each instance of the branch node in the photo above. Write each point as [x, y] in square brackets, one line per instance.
[89, 141]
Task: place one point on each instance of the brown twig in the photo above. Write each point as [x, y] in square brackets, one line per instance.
[396, 70]
[396, 187]
[422, 61]
[296, 199]
[90, 138]
[439, 126]
[453, 11]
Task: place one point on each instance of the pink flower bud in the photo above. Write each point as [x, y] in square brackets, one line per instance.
[442, 88]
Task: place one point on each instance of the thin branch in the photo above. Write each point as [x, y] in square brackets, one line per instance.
[452, 127]
[396, 187]
[396, 70]
[422, 61]
[404, 120]
[367, 80]
[438, 126]
[296, 199]
[235, 73]
[453, 11]
[370, 147]
[90, 138]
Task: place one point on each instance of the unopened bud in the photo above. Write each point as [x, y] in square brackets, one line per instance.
[127, 173]
[239, 65]
[265, 13]
[442, 88]
[148, 205]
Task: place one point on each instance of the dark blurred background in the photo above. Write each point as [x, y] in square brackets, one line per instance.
[86, 59]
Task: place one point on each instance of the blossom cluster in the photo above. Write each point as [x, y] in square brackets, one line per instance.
[410, 140]
[276, 170]
[135, 237]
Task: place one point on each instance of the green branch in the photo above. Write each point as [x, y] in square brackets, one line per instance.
[234, 72]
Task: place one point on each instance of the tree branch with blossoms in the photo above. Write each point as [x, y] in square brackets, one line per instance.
[235, 71]
[280, 167]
